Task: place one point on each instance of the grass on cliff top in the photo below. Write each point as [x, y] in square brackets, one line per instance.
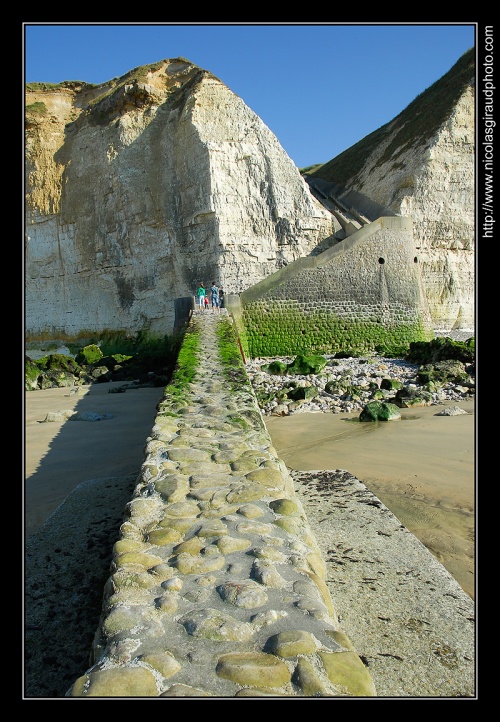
[65, 84]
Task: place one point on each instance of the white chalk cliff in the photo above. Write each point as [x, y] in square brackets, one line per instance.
[422, 165]
[139, 188]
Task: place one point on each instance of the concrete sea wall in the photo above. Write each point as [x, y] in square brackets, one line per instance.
[363, 294]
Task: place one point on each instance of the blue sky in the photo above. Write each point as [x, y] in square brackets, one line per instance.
[320, 87]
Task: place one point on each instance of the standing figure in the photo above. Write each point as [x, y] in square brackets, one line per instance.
[201, 293]
[221, 297]
[214, 295]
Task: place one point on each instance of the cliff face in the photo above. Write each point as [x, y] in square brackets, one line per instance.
[138, 189]
[422, 165]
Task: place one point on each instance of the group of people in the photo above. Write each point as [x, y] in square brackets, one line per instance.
[214, 297]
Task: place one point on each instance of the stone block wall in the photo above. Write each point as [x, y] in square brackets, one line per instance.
[362, 295]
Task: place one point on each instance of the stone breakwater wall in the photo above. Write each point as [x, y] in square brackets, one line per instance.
[217, 585]
[364, 294]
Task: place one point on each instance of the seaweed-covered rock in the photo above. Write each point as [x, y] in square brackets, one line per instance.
[59, 362]
[55, 378]
[277, 368]
[441, 349]
[303, 393]
[409, 396]
[442, 372]
[305, 364]
[379, 411]
[61, 370]
[31, 374]
[391, 384]
[340, 385]
[89, 354]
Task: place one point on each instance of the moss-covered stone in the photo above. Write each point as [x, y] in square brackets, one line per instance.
[379, 411]
[443, 371]
[295, 330]
[441, 349]
[409, 396]
[305, 364]
[276, 368]
[303, 393]
[391, 384]
[89, 354]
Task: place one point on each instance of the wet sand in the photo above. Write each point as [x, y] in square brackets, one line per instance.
[422, 467]
[61, 455]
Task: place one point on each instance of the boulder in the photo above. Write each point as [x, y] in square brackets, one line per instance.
[379, 411]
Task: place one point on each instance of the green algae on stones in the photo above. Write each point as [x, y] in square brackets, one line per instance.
[305, 364]
[379, 411]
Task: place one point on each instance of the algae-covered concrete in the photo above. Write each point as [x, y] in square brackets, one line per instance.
[362, 295]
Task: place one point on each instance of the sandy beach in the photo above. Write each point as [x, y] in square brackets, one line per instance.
[60, 455]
